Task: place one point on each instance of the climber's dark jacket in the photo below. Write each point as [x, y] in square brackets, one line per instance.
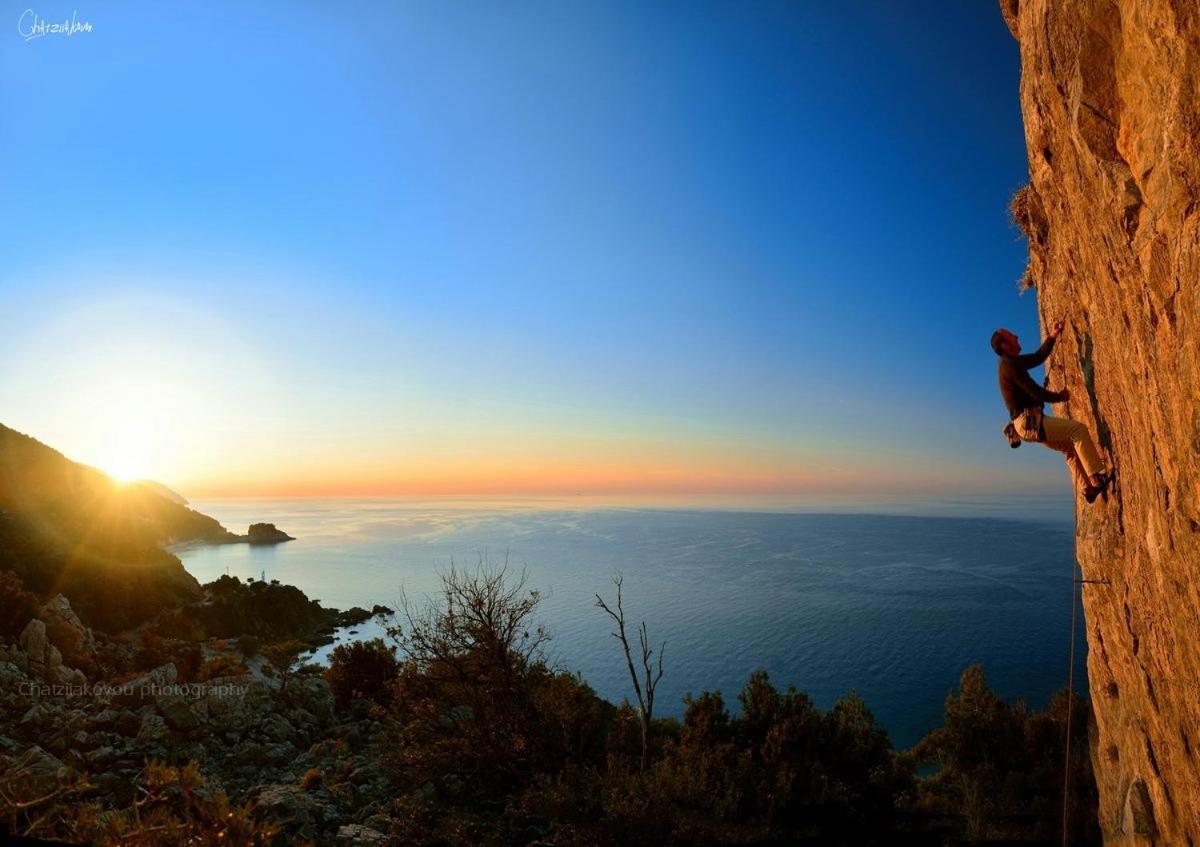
[1018, 387]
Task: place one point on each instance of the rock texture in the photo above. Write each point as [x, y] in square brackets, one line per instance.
[1110, 93]
[311, 770]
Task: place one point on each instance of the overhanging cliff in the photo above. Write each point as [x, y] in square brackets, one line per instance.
[1110, 93]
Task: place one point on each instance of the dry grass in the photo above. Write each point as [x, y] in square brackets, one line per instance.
[1026, 213]
[1026, 282]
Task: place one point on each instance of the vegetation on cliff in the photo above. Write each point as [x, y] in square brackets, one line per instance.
[461, 732]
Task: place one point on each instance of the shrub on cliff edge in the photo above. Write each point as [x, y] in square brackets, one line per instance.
[362, 669]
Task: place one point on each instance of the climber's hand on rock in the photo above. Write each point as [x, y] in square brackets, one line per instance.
[1066, 395]
[1057, 329]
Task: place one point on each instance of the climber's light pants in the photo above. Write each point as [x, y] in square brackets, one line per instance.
[1072, 439]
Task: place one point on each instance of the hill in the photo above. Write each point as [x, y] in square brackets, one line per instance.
[68, 528]
[162, 490]
[1112, 131]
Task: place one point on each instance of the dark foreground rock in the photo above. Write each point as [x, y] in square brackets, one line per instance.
[266, 738]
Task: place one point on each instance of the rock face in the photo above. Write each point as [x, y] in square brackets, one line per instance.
[1110, 93]
[266, 533]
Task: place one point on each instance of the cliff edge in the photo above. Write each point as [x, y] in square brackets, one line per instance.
[1110, 94]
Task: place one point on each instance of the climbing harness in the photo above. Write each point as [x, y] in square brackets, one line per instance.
[1029, 425]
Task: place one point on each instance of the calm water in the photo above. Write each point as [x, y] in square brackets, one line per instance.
[893, 605]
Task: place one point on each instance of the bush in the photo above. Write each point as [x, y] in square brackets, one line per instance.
[187, 658]
[781, 767]
[17, 606]
[249, 645]
[149, 658]
[267, 610]
[283, 657]
[365, 669]
[173, 806]
[219, 667]
[472, 657]
[999, 766]
[178, 625]
[1027, 214]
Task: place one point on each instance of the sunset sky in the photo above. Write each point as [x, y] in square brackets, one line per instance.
[443, 247]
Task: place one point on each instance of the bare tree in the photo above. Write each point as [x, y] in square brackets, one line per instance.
[487, 609]
[471, 657]
[646, 683]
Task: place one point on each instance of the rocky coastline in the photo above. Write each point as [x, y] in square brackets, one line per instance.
[257, 534]
[82, 719]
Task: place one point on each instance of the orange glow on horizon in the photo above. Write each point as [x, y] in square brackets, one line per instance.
[611, 481]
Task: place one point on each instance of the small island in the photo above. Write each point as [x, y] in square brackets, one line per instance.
[265, 533]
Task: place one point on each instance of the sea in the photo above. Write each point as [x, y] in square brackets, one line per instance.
[891, 599]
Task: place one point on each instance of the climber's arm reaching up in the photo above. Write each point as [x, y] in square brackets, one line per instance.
[1032, 360]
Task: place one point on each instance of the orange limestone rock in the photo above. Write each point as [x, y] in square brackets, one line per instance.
[1110, 93]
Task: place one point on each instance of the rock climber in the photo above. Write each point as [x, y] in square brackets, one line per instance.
[1026, 400]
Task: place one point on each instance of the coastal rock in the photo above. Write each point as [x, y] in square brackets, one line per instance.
[37, 717]
[88, 741]
[357, 835]
[367, 773]
[153, 730]
[353, 617]
[127, 723]
[39, 770]
[63, 675]
[277, 728]
[145, 688]
[313, 694]
[101, 757]
[65, 629]
[11, 678]
[1109, 95]
[15, 656]
[36, 645]
[300, 811]
[39, 658]
[178, 714]
[266, 533]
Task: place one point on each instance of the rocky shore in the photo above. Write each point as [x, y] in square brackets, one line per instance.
[72, 713]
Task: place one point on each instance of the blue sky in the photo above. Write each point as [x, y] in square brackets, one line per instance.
[466, 246]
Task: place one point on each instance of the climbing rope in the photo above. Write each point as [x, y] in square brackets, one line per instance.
[1070, 702]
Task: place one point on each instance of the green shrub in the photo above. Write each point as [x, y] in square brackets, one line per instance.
[999, 766]
[362, 669]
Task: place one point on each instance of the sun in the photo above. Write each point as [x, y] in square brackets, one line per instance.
[125, 463]
[142, 386]
[137, 423]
